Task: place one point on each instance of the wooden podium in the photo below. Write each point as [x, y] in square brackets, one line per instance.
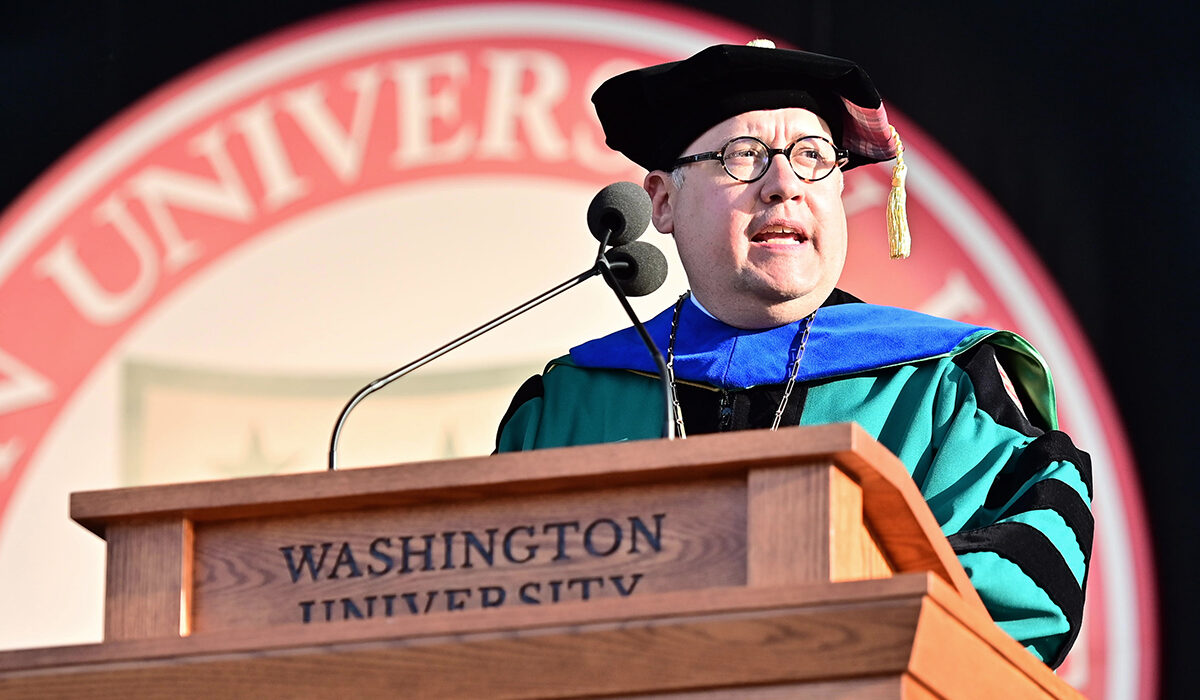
[802, 563]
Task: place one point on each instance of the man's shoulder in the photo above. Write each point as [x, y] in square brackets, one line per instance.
[849, 338]
[861, 316]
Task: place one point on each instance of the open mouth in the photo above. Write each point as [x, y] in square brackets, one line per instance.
[779, 235]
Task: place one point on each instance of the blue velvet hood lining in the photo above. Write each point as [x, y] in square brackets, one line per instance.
[845, 339]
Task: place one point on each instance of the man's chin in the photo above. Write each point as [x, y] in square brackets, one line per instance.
[774, 306]
[773, 292]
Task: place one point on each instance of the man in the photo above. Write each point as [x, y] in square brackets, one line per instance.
[746, 148]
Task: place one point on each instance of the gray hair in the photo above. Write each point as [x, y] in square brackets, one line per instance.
[677, 177]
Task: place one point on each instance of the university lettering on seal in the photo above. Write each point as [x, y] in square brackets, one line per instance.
[439, 98]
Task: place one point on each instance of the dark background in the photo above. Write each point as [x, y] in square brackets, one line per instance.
[1079, 121]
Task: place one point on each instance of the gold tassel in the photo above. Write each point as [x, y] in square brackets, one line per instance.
[897, 213]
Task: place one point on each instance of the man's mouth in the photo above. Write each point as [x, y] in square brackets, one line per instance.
[779, 235]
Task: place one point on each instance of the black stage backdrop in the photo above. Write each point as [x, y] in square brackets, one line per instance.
[1078, 121]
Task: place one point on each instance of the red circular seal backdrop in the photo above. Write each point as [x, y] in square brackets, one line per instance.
[452, 130]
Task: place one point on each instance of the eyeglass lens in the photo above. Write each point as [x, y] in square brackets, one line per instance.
[747, 159]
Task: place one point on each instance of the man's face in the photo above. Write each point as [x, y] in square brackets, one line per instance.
[762, 253]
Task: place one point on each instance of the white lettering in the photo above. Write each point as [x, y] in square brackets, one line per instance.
[20, 386]
[862, 193]
[97, 304]
[507, 104]
[956, 299]
[342, 149]
[418, 107]
[281, 185]
[225, 197]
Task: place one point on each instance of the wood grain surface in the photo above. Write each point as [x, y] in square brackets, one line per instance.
[510, 551]
[896, 516]
[148, 580]
[836, 638]
[801, 562]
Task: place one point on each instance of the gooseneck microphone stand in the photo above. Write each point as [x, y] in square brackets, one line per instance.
[602, 267]
[668, 430]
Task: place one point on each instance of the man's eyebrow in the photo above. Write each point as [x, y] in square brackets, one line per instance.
[764, 139]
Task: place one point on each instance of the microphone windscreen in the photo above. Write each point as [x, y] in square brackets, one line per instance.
[622, 208]
[640, 268]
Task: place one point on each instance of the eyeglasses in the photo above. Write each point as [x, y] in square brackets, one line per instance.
[747, 159]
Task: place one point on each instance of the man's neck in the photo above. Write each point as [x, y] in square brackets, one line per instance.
[696, 302]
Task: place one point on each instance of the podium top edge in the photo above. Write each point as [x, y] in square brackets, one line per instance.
[592, 466]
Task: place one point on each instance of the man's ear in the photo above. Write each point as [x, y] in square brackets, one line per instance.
[661, 188]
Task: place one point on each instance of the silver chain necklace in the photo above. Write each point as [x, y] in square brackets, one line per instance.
[787, 390]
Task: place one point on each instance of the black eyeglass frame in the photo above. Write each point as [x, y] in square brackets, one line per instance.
[842, 157]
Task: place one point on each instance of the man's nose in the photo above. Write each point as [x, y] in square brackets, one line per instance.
[780, 182]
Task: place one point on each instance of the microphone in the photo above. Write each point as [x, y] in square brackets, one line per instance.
[639, 267]
[619, 213]
[617, 216]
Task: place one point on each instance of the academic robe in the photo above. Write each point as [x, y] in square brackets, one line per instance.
[1010, 492]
